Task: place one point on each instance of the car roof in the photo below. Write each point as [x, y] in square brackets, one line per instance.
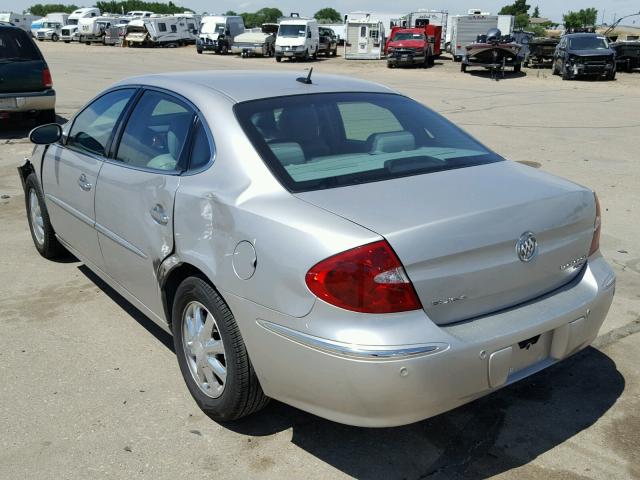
[246, 85]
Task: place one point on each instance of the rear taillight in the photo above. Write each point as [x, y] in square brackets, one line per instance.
[597, 224]
[367, 279]
[47, 81]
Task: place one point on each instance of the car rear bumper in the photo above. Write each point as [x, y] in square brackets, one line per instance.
[24, 102]
[373, 383]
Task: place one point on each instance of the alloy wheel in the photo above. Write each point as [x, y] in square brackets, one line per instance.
[37, 222]
[204, 349]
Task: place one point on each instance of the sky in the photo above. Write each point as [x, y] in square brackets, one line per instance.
[548, 8]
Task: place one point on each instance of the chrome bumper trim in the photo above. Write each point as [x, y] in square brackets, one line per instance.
[354, 351]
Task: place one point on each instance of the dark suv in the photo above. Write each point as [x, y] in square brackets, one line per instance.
[26, 88]
[580, 54]
[328, 42]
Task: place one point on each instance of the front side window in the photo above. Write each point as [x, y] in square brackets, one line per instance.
[156, 133]
[92, 128]
[321, 141]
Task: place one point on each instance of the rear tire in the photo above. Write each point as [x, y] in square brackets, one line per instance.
[199, 52]
[212, 355]
[47, 116]
[517, 68]
[463, 67]
[278, 58]
[42, 233]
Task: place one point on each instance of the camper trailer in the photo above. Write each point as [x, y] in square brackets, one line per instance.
[158, 31]
[93, 29]
[465, 30]
[19, 20]
[298, 38]
[218, 33]
[89, 12]
[365, 37]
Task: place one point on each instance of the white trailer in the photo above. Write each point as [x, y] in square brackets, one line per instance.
[158, 31]
[86, 12]
[465, 30]
[435, 17]
[365, 38]
[19, 20]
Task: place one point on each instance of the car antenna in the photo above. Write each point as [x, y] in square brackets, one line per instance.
[306, 80]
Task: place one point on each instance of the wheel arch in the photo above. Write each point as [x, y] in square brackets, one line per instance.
[172, 272]
[24, 171]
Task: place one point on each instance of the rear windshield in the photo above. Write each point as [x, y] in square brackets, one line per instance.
[320, 141]
[16, 45]
[588, 43]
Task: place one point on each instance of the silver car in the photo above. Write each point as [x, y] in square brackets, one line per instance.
[323, 241]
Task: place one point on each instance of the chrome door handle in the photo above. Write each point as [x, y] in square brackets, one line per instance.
[84, 184]
[158, 214]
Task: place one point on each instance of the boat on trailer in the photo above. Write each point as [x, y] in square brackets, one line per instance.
[493, 52]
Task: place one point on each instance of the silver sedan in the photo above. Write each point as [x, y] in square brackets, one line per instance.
[323, 241]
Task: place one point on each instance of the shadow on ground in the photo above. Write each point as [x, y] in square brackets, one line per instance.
[494, 434]
[16, 130]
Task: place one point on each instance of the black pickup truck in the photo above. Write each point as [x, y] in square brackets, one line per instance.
[328, 42]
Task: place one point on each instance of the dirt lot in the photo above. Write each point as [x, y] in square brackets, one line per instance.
[91, 389]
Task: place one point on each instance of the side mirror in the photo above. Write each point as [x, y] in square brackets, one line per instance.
[46, 134]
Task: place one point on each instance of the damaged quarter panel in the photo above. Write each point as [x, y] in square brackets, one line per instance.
[238, 200]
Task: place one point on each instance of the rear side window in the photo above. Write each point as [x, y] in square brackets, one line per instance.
[16, 45]
[320, 141]
[200, 148]
[162, 27]
[93, 127]
[156, 133]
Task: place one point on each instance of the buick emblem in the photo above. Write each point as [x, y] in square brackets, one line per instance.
[526, 247]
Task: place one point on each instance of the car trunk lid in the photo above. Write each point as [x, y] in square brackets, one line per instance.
[456, 233]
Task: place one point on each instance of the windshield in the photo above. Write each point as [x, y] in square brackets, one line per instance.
[16, 45]
[321, 141]
[212, 27]
[72, 21]
[588, 43]
[50, 25]
[292, 30]
[408, 36]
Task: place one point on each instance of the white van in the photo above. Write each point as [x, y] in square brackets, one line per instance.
[218, 32]
[298, 38]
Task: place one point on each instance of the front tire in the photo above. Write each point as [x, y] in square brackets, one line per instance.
[42, 233]
[54, 37]
[212, 355]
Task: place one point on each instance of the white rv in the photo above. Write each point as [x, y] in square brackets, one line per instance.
[158, 31]
[94, 29]
[298, 38]
[465, 30]
[49, 30]
[365, 38]
[19, 20]
[218, 33]
[87, 12]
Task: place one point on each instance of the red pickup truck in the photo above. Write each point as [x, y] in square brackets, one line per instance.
[413, 46]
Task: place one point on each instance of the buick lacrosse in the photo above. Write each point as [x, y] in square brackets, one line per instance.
[323, 241]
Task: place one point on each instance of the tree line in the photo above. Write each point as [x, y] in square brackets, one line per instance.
[586, 17]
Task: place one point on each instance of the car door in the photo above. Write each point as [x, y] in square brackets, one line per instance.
[70, 172]
[136, 191]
